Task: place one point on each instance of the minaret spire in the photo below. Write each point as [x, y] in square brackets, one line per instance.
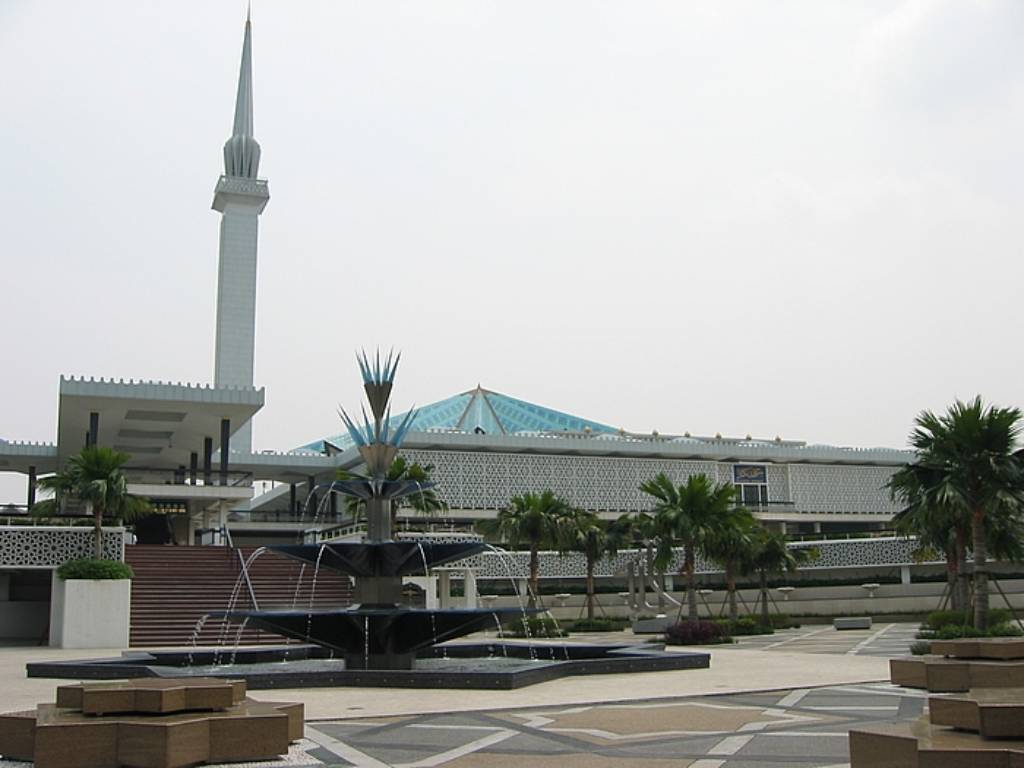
[241, 151]
[240, 197]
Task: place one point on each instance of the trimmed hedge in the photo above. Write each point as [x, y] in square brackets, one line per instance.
[701, 632]
[600, 624]
[937, 620]
[91, 568]
[745, 625]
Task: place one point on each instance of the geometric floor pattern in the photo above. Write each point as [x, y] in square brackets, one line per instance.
[796, 727]
[801, 727]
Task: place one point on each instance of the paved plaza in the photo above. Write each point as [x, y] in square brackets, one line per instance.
[786, 699]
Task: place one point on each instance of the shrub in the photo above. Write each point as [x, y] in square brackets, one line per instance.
[921, 648]
[955, 632]
[535, 626]
[745, 625]
[782, 621]
[699, 632]
[1005, 629]
[938, 619]
[91, 568]
[600, 624]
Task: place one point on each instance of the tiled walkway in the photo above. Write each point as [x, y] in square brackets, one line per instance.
[788, 727]
[801, 727]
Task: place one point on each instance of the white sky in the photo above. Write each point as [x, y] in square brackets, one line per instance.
[787, 218]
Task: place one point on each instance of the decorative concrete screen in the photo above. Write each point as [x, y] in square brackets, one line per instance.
[488, 480]
[50, 546]
[846, 553]
[468, 480]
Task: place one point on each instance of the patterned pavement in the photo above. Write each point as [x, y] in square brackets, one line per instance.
[802, 727]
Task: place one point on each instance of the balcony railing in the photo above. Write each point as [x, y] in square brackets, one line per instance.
[183, 476]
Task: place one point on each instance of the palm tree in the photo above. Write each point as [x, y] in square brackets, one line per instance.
[690, 513]
[584, 532]
[425, 500]
[970, 460]
[535, 519]
[730, 545]
[943, 529]
[769, 554]
[95, 478]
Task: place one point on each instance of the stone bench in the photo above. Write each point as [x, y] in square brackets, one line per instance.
[852, 622]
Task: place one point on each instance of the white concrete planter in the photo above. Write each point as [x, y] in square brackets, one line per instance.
[655, 626]
[89, 613]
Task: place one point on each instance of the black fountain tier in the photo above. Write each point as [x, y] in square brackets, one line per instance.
[377, 632]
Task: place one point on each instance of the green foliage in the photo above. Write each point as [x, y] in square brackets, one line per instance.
[600, 624]
[955, 632]
[969, 469]
[783, 621]
[94, 477]
[534, 519]
[745, 625]
[699, 632]
[921, 648]
[535, 626]
[938, 620]
[92, 568]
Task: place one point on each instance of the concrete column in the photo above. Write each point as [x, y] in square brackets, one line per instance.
[311, 487]
[469, 587]
[524, 589]
[444, 589]
[193, 467]
[31, 486]
[222, 521]
[817, 527]
[225, 448]
[904, 574]
[207, 461]
[670, 582]
[94, 429]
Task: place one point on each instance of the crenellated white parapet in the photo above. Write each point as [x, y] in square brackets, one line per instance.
[241, 394]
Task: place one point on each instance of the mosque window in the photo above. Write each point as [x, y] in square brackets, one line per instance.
[751, 481]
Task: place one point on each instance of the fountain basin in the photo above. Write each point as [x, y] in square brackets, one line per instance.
[500, 665]
[382, 637]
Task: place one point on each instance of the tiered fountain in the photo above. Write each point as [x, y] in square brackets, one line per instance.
[376, 632]
[379, 639]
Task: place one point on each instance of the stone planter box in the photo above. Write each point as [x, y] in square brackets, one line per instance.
[89, 613]
[655, 626]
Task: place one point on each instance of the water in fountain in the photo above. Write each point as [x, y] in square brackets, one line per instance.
[312, 591]
[504, 557]
[433, 618]
[193, 644]
[233, 599]
[238, 639]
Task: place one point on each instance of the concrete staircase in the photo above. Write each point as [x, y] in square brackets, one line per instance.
[175, 586]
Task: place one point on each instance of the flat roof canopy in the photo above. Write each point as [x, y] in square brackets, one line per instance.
[159, 424]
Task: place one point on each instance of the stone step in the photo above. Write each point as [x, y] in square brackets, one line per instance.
[1003, 648]
[994, 713]
[920, 744]
[942, 675]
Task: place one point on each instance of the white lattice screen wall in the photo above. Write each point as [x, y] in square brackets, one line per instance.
[49, 547]
[834, 488]
[467, 480]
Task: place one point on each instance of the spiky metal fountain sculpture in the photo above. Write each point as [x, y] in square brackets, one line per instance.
[376, 632]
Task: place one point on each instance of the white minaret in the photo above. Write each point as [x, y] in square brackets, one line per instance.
[240, 197]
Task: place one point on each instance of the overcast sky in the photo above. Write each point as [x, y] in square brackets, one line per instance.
[789, 218]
